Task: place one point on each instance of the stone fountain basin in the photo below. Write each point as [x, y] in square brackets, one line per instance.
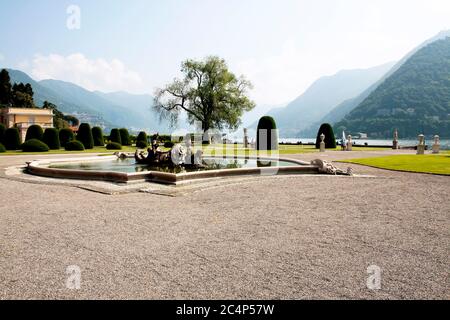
[42, 168]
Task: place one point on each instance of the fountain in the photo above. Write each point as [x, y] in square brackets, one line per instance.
[181, 163]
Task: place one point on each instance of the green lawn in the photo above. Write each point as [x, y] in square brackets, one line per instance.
[210, 150]
[437, 164]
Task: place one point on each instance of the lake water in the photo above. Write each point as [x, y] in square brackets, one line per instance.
[445, 144]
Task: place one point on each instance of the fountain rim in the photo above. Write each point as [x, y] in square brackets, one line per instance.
[41, 168]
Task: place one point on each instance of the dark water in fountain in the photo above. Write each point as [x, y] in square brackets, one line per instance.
[129, 165]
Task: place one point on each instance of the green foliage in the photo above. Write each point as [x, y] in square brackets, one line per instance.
[5, 88]
[415, 99]
[142, 140]
[65, 135]
[168, 144]
[2, 132]
[141, 144]
[142, 136]
[74, 145]
[51, 138]
[114, 136]
[2, 148]
[330, 139]
[267, 134]
[85, 136]
[12, 139]
[97, 134]
[34, 145]
[125, 137]
[34, 132]
[208, 93]
[22, 96]
[114, 146]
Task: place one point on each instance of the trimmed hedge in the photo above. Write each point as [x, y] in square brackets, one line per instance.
[114, 146]
[2, 133]
[74, 145]
[125, 137]
[330, 139]
[2, 148]
[85, 136]
[97, 134]
[34, 145]
[168, 144]
[114, 136]
[141, 144]
[65, 135]
[51, 138]
[142, 136]
[34, 132]
[12, 139]
[270, 137]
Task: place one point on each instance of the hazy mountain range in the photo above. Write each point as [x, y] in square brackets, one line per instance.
[350, 99]
[117, 109]
[322, 96]
[320, 103]
[414, 99]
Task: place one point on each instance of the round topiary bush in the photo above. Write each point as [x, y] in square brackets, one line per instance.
[12, 139]
[65, 136]
[267, 134]
[114, 136]
[74, 145]
[2, 133]
[330, 139]
[2, 148]
[84, 135]
[168, 144]
[34, 145]
[34, 132]
[51, 138]
[142, 136]
[97, 134]
[141, 144]
[114, 146]
[125, 137]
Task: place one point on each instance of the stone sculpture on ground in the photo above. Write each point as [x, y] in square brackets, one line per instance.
[326, 167]
[436, 145]
[421, 145]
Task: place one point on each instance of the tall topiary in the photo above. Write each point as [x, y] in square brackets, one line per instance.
[114, 136]
[34, 132]
[51, 138]
[330, 139]
[141, 140]
[84, 135]
[97, 133]
[267, 134]
[125, 137]
[65, 136]
[12, 139]
[2, 133]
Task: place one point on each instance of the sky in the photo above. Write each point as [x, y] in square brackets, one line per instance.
[281, 46]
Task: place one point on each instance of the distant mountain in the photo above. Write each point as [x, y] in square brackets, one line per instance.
[322, 96]
[340, 111]
[109, 110]
[414, 99]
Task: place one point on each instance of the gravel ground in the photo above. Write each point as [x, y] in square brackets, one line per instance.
[289, 237]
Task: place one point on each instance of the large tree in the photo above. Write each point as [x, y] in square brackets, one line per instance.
[209, 93]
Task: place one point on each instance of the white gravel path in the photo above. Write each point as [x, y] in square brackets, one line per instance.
[290, 237]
